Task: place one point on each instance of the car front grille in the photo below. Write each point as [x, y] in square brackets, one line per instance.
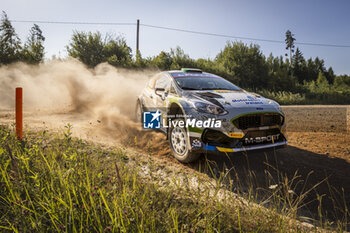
[251, 138]
[258, 120]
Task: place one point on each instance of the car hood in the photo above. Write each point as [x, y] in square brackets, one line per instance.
[236, 101]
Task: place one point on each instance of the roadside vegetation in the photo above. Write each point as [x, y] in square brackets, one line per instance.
[289, 79]
[58, 183]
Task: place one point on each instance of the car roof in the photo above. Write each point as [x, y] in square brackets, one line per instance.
[180, 73]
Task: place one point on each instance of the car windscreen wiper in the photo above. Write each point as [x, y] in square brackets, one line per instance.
[189, 88]
[218, 89]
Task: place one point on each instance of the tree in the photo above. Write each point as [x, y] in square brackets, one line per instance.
[322, 82]
[290, 44]
[279, 78]
[92, 50]
[87, 47]
[210, 66]
[139, 61]
[33, 51]
[10, 44]
[342, 82]
[299, 69]
[330, 75]
[163, 61]
[319, 63]
[297, 58]
[245, 63]
[180, 59]
[117, 52]
[312, 69]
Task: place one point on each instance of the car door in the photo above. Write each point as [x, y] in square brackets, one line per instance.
[163, 83]
[150, 100]
[161, 88]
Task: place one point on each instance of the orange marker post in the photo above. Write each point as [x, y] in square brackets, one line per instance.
[19, 113]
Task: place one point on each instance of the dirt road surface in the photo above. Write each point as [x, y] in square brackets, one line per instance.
[318, 153]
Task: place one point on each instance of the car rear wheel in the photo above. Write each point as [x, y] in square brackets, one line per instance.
[179, 144]
[138, 112]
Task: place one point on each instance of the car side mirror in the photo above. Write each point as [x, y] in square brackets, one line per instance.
[160, 92]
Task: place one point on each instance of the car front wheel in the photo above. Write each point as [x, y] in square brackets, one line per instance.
[179, 144]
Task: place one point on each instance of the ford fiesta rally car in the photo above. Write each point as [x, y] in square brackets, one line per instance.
[204, 112]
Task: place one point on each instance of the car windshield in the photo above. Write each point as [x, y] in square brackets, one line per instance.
[205, 83]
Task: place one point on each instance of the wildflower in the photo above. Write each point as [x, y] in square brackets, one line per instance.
[95, 187]
[274, 186]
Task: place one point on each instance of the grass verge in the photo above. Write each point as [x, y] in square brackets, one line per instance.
[57, 183]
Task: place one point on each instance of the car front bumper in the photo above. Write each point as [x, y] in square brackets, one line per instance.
[247, 148]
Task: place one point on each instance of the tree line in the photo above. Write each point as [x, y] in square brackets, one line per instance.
[289, 79]
[12, 49]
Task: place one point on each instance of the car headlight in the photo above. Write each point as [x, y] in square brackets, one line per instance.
[272, 102]
[210, 108]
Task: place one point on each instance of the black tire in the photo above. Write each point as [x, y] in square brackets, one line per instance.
[138, 112]
[179, 145]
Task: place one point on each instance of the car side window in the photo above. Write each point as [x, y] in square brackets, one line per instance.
[163, 82]
[152, 82]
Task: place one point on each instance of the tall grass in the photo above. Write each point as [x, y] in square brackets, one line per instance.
[56, 184]
[53, 183]
[285, 97]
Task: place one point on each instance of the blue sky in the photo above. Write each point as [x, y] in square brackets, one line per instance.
[315, 21]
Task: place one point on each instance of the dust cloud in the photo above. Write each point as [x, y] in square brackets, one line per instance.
[69, 84]
[99, 103]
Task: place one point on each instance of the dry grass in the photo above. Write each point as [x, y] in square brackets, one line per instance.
[63, 184]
